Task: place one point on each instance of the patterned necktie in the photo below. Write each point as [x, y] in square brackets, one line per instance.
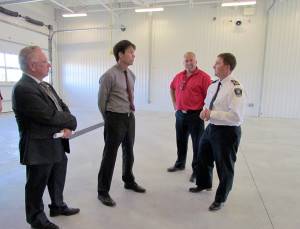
[46, 88]
[129, 92]
[215, 96]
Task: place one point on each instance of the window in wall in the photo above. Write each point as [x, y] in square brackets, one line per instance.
[1, 59]
[2, 74]
[13, 75]
[10, 68]
[12, 61]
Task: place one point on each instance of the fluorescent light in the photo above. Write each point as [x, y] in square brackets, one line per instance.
[247, 3]
[75, 15]
[149, 10]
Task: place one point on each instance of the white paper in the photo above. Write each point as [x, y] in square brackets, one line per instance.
[58, 135]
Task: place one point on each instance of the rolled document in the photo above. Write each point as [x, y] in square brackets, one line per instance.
[58, 135]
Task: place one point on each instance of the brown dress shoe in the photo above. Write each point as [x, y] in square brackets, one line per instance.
[174, 169]
[216, 206]
[134, 187]
[106, 200]
[64, 211]
[198, 189]
[47, 225]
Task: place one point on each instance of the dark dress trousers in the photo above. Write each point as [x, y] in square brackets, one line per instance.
[187, 124]
[119, 129]
[46, 162]
[218, 144]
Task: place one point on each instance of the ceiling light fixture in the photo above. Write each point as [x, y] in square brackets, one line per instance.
[75, 15]
[149, 10]
[247, 3]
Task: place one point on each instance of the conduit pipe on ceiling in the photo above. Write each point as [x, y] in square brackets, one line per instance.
[264, 60]
[122, 27]
[52, 33]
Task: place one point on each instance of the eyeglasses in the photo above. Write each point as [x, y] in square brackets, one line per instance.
[182, 85]
[43, 62]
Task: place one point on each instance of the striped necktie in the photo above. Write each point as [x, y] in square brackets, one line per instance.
[129, 92]
[48, 91]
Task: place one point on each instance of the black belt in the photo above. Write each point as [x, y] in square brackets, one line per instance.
[126, 114]
[190, 111]
[223, 126]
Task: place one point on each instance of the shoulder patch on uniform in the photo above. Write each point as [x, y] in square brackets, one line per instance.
[238, 91]
[235, 82]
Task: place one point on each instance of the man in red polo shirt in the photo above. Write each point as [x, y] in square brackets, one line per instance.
[188, 91]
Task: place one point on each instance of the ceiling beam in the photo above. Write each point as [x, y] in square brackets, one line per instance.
[137, 2]
[18, 2]
[105, 6]
[146, 3]
[62, 6]
[141, 2]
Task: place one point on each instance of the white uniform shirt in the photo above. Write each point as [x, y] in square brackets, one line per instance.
[230, 105]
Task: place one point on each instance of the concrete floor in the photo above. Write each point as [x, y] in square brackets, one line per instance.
[265, 192]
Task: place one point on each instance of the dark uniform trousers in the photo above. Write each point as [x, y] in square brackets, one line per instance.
[218, 144]
[119, 128]
[39, 176]
[188, 124]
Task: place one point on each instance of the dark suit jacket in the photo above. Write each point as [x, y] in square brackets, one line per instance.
[38, 120]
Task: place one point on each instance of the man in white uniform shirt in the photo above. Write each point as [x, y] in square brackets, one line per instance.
[224, 109]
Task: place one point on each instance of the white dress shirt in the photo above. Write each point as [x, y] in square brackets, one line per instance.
[230, 104]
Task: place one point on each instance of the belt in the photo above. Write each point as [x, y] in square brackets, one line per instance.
[223, 126]
[190, 111]
[126, 114]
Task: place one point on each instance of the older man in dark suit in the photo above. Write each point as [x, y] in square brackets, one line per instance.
[40, 114]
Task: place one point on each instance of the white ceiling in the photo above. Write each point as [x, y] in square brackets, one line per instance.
[72, 6]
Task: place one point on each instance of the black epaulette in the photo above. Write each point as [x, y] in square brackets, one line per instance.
[235, 82]
[213, 81]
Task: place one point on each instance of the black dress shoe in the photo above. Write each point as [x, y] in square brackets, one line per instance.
[193, 177]
[63, 211]
[198, 189]
[106, 200]
[174, 169]
[134, 187]
[216, 206]
[47, 225]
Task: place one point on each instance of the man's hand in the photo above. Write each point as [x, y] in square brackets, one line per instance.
[173, 97]
[205, 114]
[202, 114]
[67, 133]
[175, 107]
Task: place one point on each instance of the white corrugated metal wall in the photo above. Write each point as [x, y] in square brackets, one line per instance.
[83, 56]
[281, 82]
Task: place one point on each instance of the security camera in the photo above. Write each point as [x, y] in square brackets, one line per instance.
[238, 23]
[123, 28]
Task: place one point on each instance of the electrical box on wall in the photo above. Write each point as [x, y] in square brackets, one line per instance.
[249, 11]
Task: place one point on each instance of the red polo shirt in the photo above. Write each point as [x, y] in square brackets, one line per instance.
[191, 95]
